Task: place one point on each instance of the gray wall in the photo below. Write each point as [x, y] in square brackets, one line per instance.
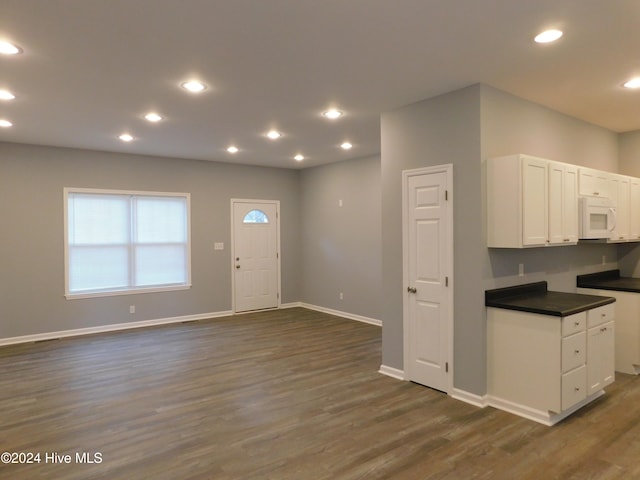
[32, 264]
[463, 128]
[341, 246]
[629, 159]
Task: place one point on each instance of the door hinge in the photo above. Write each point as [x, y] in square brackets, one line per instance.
[446, 194]
[446, 367]
[446, 281]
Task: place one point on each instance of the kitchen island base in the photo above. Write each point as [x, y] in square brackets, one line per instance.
[545, 367]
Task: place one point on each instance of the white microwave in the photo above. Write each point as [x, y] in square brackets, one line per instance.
[597, 218]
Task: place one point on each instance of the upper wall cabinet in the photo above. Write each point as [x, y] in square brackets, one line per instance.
[563, 203]
[531, 202]
[634, 209]
[593, 183]
[619, 193]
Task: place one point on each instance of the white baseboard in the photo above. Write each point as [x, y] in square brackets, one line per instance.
[471, 398]
[392, 372]
[110, 328]
[544, 417]
[350, 316]
[163, 321]
[290, 305]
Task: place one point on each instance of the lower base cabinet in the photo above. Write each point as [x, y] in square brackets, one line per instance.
[544, 367]
[627, 332]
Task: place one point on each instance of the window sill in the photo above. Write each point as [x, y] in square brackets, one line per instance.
[113, 293]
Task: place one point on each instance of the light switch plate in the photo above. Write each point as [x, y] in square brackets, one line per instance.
[218, 246]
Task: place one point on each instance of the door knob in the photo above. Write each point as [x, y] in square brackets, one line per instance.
[237, 266]
[412, 289]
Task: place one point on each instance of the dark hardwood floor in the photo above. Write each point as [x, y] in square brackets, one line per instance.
[288, 394]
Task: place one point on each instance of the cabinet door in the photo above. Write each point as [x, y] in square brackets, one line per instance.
[593, 183]
[634, 209]
[600, 357]
[563, 204]
[619, 195]
[534, 201]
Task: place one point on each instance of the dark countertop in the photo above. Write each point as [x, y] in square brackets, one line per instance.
[609, 280]
[535, 298]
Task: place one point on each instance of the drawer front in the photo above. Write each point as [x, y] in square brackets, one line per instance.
[574, 351]
[574, 324]
[574, 387]
[600, 315]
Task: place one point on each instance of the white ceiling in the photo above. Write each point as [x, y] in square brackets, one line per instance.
[91, 69]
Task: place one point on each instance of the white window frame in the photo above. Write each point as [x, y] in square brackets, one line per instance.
[127, 291]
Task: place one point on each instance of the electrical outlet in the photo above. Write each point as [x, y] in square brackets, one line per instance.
[132, 309]
[521, 269]
[341, 296]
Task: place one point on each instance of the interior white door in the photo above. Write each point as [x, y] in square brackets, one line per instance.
[255, 255]
[428, 265]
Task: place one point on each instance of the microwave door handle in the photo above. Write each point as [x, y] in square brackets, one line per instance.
[612, 214]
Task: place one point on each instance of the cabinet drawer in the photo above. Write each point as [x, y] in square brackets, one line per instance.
[574, 387]
[574, 324]
[600, 315]
[574, 351]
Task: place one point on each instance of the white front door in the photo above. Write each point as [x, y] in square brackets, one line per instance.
[428, 268]
[255, 254]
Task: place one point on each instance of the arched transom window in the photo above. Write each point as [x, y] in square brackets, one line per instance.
[256, 216]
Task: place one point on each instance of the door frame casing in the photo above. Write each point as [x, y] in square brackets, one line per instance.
[234, 201]
[448, 252]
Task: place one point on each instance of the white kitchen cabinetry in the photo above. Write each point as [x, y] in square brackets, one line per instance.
[593, 183]
[625, 335]
[517, 195]
[619, 193]
[531, 202]
[563, 203]
[545, 367]
[634, 209]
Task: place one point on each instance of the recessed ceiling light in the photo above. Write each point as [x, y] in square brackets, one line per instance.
[6, 95]
[125, 137]
[298, 158]
[346, 146]
[232, 149]
[5, 123]
[7, 48]
[153, 117]
[273, 134]
[193, 86]
[332, 114]
[633, 83]
[548, 36]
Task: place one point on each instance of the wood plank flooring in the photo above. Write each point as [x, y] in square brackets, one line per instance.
[288, 394]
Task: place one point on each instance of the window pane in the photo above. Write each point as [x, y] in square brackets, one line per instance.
[98, 219]
[98, 268]
[160, 265]
[256, 216]
[161, 219]
[124, 241]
